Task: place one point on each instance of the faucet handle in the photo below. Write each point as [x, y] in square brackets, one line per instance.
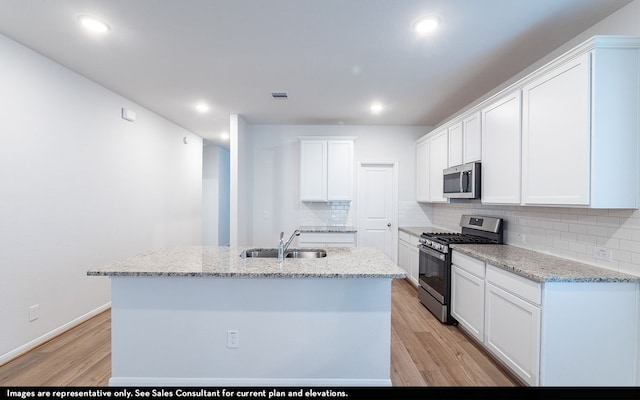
[281, 236]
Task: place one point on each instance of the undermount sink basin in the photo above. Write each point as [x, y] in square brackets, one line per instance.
[291, 253]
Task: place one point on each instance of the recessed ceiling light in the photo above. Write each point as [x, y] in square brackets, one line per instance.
[224, 136]
[94, 24]
[203, 108]
[426, 24]
[377, 108]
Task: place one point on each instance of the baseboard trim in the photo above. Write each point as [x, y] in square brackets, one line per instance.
[246, 382]
[8, 357]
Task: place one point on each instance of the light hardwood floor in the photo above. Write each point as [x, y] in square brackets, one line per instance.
[423, 353]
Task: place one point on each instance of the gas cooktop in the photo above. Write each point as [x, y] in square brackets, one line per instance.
[459, 238]
[475, 230]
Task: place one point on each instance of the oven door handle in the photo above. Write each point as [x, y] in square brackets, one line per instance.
[432, 253]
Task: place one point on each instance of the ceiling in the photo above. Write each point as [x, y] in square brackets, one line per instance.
[332, 57]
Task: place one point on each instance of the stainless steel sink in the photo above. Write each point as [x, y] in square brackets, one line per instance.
[290, 253]
[305, 253]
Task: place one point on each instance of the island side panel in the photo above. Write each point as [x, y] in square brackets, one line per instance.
[309, 331]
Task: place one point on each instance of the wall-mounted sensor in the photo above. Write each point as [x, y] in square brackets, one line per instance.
[185, 140]
[128, 115]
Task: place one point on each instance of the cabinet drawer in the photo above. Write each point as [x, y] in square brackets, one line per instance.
[404, 236]
[469, 264]
[328, 239]
[517, 285]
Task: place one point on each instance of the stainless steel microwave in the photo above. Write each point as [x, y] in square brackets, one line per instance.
[462, 181]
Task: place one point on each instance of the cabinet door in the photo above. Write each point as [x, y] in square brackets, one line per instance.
[404, 256]
[313, 170]
[556, 149]
[414, 263]
[438, 155]
[422, 171]
[467, 301]
[340, 170]
[501, 150]
[455, 144]
[472, 139]
[512, 332]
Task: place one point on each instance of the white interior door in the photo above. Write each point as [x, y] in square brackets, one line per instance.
[377, 207]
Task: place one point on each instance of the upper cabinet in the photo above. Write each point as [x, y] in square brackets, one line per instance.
[431, 159]
[437, 163]
[565, 135]
[465, 140]
[501, 150]
[472, 138]
[455, 144]
[326, 169]
[423, 147]
[580, 130]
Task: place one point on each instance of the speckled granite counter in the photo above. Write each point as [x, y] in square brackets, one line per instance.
[328, 229]
[204, 261]
[541, 267]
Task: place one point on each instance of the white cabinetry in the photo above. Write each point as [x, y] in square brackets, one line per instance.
[326, 169]
[467, 293]
[422, 170]
[455, 144]
[465, 140]
[580, 131]
[438, 155]
[501, 150]
[565, 135]
[512, 322]
[472, 138]
[564, 333]
[327, 239]
[431, 160]
[409, 255]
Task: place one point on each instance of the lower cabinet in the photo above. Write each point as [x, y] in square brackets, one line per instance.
[327, 239]
[512, 332]
[556, 333]
[467, 292]
[409, 255]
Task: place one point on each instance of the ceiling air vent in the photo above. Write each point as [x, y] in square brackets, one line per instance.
[279, 95]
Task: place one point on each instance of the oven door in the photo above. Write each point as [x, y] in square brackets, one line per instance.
[432, 273]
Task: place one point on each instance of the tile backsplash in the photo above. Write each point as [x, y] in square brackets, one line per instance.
[572, 233]
[332, 213]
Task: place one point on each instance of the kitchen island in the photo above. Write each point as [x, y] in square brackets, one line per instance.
[207, 316]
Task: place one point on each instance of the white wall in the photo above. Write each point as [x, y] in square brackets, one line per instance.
[215, 196]
[80, 187]
[276, 172]
[241, 184]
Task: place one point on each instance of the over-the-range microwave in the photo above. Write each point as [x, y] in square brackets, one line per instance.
[462, 181]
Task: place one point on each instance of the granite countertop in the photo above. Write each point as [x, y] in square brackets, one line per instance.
[541, 267]
[211, 261]
[328, 229]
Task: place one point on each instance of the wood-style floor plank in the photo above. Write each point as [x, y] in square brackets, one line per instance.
[424, 352]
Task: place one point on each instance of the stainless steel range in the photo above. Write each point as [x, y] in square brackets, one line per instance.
[434, 275]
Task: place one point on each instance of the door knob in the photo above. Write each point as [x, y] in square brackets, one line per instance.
[389, 224]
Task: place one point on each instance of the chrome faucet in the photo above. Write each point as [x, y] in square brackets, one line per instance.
[282, 247]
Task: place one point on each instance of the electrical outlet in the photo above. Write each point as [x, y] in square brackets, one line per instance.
[520, 237]
[233, 339]
[603, 254]
[34, 312]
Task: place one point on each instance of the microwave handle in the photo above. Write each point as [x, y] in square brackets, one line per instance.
[461, 180]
